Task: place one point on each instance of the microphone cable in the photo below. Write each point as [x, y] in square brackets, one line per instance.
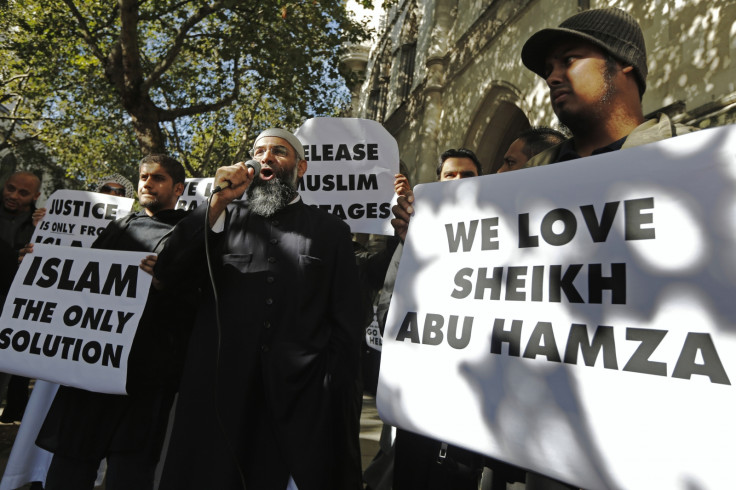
[218, 416]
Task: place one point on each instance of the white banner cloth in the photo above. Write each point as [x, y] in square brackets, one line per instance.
[352, 163]
[576, 319]
[196, 192]
[75, 218]
[71, 315]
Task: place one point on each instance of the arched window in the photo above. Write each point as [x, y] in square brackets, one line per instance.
[497, 122]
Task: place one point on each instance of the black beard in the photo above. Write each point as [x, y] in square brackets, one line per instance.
[582, 123]
[153, 206]
[266, 198]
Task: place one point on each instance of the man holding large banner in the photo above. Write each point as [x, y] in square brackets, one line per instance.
[585, 330]
[83, 427]
[608, 46]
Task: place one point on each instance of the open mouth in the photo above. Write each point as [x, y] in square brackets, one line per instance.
[266, 173]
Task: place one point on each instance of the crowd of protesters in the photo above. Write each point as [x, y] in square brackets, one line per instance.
[285, 413]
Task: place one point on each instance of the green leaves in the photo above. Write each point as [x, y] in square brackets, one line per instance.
[101, 85]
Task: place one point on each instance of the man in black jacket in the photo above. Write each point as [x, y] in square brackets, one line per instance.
[275, 351]
[84, 427]
[20, 193]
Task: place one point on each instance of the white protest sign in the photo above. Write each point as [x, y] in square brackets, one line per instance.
[352, 163]
[71, 315]
[75, 218]
[576, 319]
[196, 192]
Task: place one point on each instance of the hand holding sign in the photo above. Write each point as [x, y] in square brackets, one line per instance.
[402, 212]
[38, 215]
[27, 249]
[403, 209]
[401, 184]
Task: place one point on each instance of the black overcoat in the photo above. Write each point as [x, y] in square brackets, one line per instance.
[87, 425]
[258, 394]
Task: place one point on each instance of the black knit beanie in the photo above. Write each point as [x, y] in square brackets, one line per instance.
[611, 29]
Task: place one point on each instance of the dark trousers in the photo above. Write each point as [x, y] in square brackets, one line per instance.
[348, 404]
[128, 431]
[16, 398]
[124, 471]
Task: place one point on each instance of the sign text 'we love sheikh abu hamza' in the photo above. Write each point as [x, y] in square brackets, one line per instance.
[71, 316]
[578, 319]
[352, 163]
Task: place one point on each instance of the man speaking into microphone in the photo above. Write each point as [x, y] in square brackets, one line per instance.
[277, 338]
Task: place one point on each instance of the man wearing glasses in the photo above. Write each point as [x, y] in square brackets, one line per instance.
[278, 340]
[115, 185]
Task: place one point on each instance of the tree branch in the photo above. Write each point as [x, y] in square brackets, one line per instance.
[24, 119]
[171, 114]
[210, 146]
[177, 143]
[104, 27]
[131, 61]
[14, 143]
[16, 77]
[244, 145]
[170, 8]
[178, 42]
[84, 28]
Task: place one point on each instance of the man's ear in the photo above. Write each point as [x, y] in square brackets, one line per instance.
[301, 168]
[179, 189]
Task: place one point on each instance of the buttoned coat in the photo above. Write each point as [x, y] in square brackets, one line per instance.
[259, 391]
[87, 425]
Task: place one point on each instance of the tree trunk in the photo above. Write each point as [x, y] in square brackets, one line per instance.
[147, 129]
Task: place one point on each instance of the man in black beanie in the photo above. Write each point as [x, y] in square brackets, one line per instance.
[595, 65]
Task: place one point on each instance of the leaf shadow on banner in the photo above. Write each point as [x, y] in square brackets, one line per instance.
[517, 403]
[534, 410]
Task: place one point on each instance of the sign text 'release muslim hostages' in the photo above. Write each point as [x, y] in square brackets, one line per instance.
[576, 319]
[71, 315]
[75, 218]
[352, 163]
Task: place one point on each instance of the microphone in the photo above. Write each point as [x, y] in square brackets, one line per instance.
[254, 164]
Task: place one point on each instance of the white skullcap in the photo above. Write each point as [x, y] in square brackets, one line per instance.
[285, 135]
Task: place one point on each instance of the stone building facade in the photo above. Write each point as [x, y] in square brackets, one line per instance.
[447, 73]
